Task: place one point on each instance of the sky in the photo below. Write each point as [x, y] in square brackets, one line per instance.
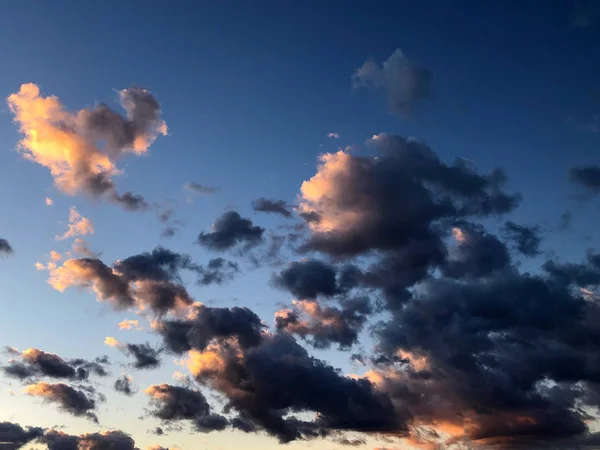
[321, 224]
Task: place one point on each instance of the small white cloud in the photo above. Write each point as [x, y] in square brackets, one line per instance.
[49, 201]
[333, 135]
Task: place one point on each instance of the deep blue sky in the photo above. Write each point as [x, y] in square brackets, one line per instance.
[250, 90]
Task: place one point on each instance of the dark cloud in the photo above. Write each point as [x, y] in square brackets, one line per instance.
[324, 326]
[69, 399]
[105, 440]
[404, 83]
[230, 230]
[476, 254]
[308, 279]
[208, 323]
[169, 232]
[13, 436]
[210, 422]
[149, 279]
[5, 248]
[145, 356]
[399, 199]
[271, 206]
[586, 176]
[37, 363]
[200, 189]
[217, 271]
[124, 386]
[129, 201]
[526, 239]
[278, 376]
[176, 402]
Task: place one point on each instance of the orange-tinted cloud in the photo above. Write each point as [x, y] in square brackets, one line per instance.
[129, 324]
[80, 149]
[78, 225]
[49, 201]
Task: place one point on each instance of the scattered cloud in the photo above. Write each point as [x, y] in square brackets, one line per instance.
[5, 248]
[230, 230]
[404, 83]
[333, 135]
[201, 189]
[130, 324]
[49, 201]
[69, 144]
[78, 225]
[69, 399]
[124, 385]
[271, 206]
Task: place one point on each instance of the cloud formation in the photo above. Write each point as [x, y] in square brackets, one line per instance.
[81, 149]
[271, 206]
[149, 280]
[231, 230]
[124, 385]
[5, 248]
[69, 399]
[404, 83]
[37, 363]
[78, 225]
[201, 189]
[587, 177]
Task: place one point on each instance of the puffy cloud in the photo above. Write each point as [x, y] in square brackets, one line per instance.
[271, 206]
[69, 399]
[527, 240]
[124, 385]
[55, 256]
[80, 247]
[217, 271]
[5, 248]
[144, 355]
[325, 325]
[36, 362]
[202, 189]
[404, 83]
[333, 135]
[105, 440]
[476, 254]
[13, 436]
[308, 279]
[230, 230]
[176, 402]
[49, 201]
[80, 149]
[78, 225]
[394, 200]
[586, 176]
[129, 324]
[147, 280]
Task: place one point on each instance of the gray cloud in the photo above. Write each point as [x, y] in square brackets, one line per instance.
[271, 206]
[230, 230]
[404, 83]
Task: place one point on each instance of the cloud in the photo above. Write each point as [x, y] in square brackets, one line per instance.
[176, 402]
[308, 279]
[200, 189]
[527, 239]
[394, 200]
[14, 436]
[124, 385]
[80, 247]
[230, 230]
[217, 271]
[144, 355]
[130, 324]
[49, 201]
[271, 206]
[37, 363]
[325, 326]
[81, 149]
[78, 225]
[404, 83]
[105, 440]
[147, 280]
[333, 135]
[587, 177]
[69, 399]
[5, 248]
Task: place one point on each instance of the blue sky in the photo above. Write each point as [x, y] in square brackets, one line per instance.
[249, 91]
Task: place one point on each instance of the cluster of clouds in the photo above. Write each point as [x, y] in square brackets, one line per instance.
[467, 348]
